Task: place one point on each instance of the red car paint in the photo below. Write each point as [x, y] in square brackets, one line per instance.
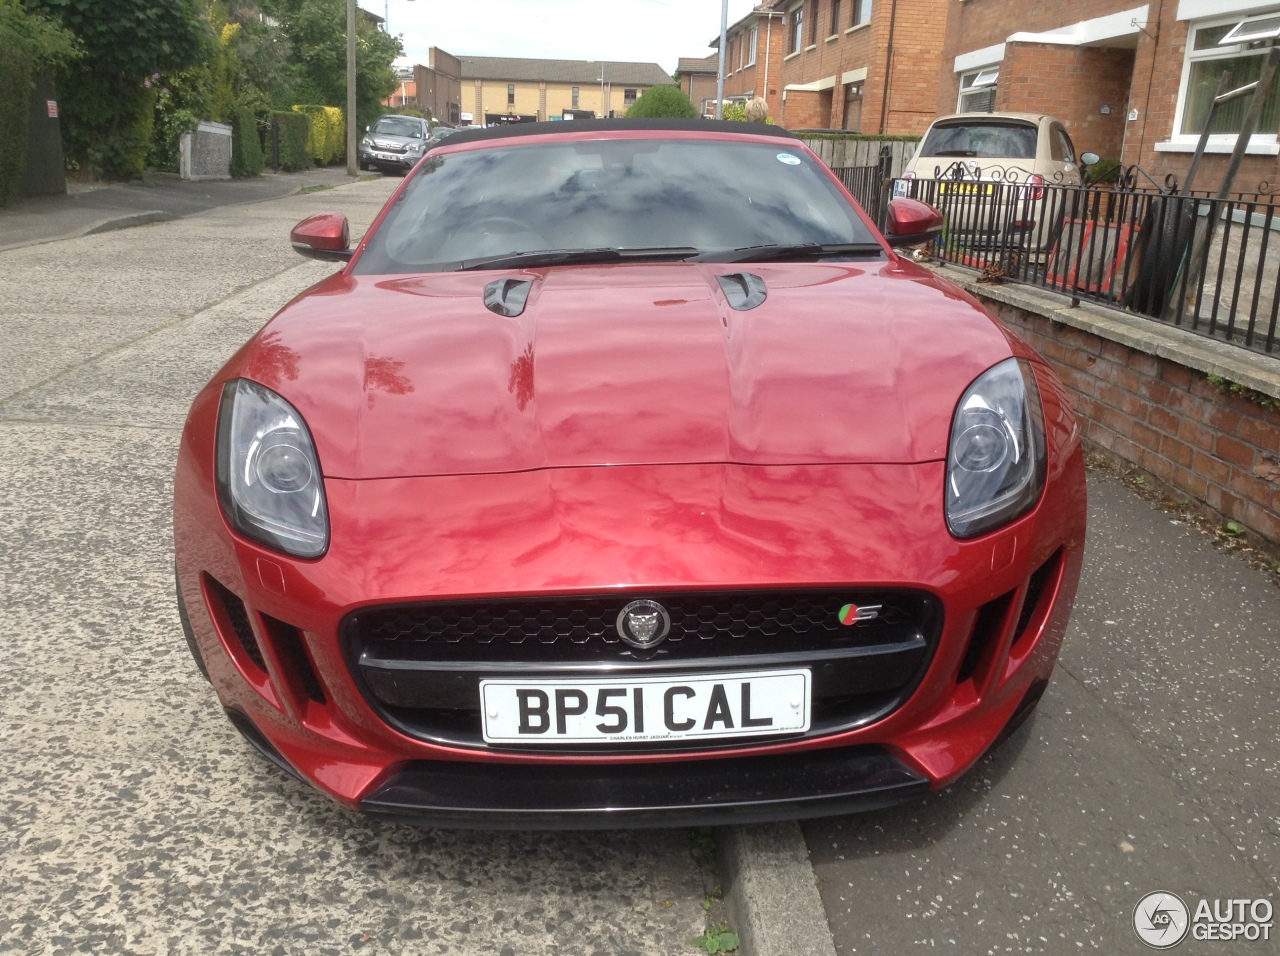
[628, 431]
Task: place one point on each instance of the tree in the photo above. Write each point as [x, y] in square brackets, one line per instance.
[663, 101]
[30, 45]
[317, 33]
[106, 96]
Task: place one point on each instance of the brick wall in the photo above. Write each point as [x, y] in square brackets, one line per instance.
[1215, 447]
[1073, 84]
[803, 109]
[914, 68]
[976, 24]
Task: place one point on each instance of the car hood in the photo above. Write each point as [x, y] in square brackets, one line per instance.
[388, 139]
[626, 364]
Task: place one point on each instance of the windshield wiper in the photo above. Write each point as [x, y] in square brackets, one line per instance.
[804, 250]
[557, 257]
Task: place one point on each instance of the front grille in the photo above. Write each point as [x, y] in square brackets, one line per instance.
[752, 621]
[420, 665]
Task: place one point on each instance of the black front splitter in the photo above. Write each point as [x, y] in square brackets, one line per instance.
[736, 790]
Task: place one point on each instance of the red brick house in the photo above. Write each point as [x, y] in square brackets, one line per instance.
[753, 59]
[869, 66]
[1131, 82]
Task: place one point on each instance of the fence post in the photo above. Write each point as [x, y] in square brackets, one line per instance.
[886, 175]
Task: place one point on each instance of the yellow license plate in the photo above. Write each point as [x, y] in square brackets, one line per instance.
[966, 189]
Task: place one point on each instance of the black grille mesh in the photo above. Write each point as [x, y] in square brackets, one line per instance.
[585, 620]
[238, 616]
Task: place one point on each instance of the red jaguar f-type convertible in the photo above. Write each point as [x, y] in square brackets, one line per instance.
[625, 475]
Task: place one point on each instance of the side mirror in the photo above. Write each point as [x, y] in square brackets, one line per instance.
[326, 237]
[367, 128]
[1089, 159]
[912, 223]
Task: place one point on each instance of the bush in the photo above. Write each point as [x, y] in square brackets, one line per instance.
[328, 141]
[294, 131]
[1104, 172]
[246, 147]
[663, 101]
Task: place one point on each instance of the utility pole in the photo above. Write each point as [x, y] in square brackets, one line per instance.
[351, 87]
[724, 30]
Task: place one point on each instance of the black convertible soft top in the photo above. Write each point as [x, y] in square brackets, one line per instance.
[466, 135]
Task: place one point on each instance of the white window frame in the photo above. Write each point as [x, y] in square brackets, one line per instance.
[754, 36]
[1265, 143]
[990, 76]
[795, 31]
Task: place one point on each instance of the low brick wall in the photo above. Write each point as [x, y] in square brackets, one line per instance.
[1141, 391]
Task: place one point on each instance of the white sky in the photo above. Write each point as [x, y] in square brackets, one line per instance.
[648, 31]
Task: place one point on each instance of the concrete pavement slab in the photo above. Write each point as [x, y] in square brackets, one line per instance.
[133, 818]
[140, 384]
[1152, 763]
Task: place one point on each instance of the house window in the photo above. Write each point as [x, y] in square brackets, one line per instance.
[797, 30]
[861, 12]
[751, 48]
[575, 98]
[511, 94]
[835, 17]
[628, 97]
[816, 19]
[978, 90]
[1211, 52]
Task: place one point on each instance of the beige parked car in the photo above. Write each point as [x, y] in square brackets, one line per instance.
[988, 173]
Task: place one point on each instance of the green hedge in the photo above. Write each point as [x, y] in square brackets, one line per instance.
[16, 82]
[293, 129]
[328, 141]
[246, 147]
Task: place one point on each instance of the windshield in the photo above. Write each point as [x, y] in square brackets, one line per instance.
[389, 126]
[697, 196]
[981, 140]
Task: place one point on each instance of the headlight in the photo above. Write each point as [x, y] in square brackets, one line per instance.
[269, 480]
[996, 461]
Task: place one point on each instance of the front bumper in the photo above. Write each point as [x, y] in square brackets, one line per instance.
[711, 793]
[270, 629]
[389, 160]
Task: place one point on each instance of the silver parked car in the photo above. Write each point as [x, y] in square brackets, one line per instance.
[394, 143]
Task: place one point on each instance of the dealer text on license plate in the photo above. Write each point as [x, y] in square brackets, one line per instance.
[645, 708]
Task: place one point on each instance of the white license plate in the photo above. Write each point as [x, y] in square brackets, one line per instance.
[386, 155]
[645, 708]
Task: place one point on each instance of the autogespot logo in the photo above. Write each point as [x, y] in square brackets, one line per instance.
[1161, 919]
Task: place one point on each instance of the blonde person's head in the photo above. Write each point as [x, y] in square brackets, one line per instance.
[757, 111]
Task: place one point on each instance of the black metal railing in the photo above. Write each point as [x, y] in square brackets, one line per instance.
[1211, 266]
